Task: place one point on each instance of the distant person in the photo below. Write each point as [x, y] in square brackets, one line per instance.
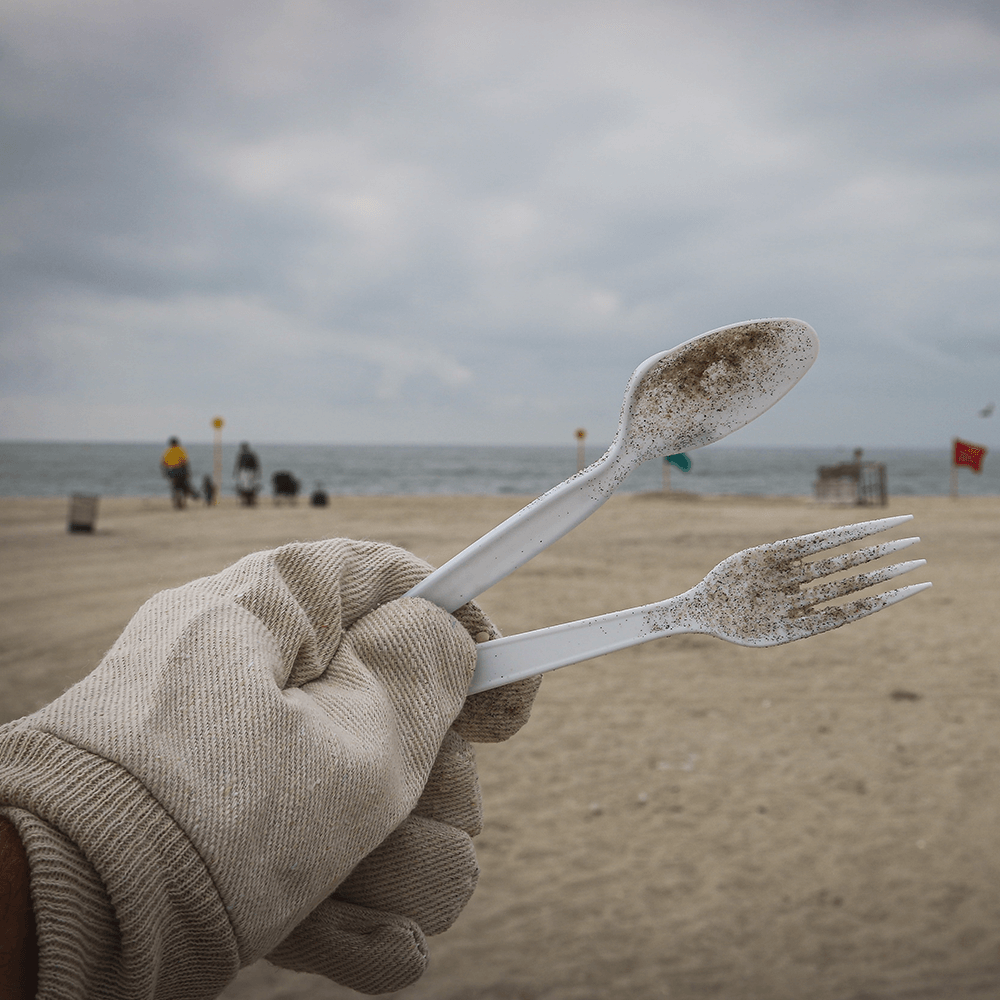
[247, 475]
[208, 490]
[175, 467]
[319, 497]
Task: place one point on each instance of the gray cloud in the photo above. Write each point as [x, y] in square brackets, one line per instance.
[436, 222]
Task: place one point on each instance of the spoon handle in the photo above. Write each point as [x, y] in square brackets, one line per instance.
[523, 535]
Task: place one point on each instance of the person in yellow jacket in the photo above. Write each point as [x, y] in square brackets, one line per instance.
[175, 467]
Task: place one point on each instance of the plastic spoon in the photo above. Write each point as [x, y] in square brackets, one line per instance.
[675, 401]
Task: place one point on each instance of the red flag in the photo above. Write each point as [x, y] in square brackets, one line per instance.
[969, 454]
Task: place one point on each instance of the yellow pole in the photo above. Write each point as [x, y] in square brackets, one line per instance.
[581, 436]
[217, 423]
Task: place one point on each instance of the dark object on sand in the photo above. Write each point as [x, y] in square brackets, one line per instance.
[82, 512]
[319, 497]
[859, 483]
[285, 485]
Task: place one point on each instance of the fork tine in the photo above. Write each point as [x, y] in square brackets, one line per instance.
[803, 545]
[851, 585]
[830, 618]
[824, 567]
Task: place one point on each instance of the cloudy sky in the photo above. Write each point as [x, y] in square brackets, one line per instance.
[468, 222]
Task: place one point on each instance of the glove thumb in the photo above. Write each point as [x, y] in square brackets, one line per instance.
[366, 950]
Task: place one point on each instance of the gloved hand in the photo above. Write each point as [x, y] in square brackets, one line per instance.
[191, 805]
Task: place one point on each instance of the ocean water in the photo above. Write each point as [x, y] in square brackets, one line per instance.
[30, 469]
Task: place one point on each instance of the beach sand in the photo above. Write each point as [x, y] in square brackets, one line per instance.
[683, 819]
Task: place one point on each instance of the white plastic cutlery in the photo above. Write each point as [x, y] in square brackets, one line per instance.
[756, 597]
[676, 401]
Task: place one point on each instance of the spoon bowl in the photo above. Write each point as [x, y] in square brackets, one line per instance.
[708, 387]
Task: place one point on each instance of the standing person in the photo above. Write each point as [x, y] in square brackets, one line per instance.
[208, 489]
[246, 471]
[175, 467]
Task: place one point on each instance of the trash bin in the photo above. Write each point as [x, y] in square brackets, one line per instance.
[82, 512]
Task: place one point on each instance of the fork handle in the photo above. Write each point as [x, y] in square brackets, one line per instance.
[514, 657]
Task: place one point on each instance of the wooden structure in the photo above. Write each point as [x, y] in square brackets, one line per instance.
[857, 483]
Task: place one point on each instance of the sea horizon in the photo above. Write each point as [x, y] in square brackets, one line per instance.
[131, 468]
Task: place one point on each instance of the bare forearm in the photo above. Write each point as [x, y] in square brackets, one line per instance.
[18, 939]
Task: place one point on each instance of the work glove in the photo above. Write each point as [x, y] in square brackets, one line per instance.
[272, 761]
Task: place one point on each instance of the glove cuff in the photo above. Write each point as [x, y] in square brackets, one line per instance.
[124, 906]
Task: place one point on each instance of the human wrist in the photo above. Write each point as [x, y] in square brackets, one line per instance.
[125, 909]
[18, 940]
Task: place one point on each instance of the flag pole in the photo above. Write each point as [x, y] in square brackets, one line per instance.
[217, 423]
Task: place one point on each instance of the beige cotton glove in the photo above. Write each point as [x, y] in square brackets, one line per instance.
[272, 762]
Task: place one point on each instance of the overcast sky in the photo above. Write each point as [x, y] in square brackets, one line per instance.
[468, 222]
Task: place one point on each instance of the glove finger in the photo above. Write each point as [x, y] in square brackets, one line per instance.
[396, 684]
[452, 793]
[475, 622]
[496, 715]
[424, 870]
[308, 593]
[363, 949]
[375, 573]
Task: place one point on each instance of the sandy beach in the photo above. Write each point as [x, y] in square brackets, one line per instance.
[683, 819]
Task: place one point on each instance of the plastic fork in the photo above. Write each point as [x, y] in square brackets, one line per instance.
[762, 596]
